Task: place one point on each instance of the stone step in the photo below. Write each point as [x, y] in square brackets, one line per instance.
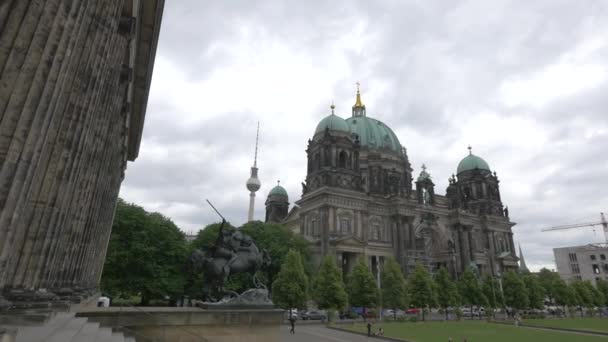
[118, 337]
[87, 333]
[42, 333]
[130, 339]
[68, 331]
[104, 335]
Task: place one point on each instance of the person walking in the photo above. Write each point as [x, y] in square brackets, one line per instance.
[369, 329]
[292, 322]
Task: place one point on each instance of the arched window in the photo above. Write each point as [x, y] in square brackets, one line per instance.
[375, 233]
[344, 225]
[342, 159]
[317, 161]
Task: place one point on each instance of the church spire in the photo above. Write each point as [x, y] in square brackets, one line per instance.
[522, 263]
[358, 107]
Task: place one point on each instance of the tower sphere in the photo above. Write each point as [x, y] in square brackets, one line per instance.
[253, 184]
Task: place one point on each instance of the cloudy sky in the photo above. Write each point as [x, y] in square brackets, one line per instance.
[524, 83]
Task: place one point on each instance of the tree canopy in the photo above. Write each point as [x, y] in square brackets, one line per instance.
[491, 289]
[328, 287]
[421, 288]
[361, 286]
[392, 281]
[469, 289]
[535, 291]
[145, 255]
[447, 292]
[290, 288]
[514, 290]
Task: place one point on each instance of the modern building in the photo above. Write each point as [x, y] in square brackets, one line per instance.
[587, 262]
[74, 84]
[361, 200]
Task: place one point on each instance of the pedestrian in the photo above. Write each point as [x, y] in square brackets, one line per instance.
[292, 321]
[380, 332]
[369, 329]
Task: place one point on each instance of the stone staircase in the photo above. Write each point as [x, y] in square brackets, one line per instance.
[65, 327]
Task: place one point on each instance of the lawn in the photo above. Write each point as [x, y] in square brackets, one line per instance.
[591, 324]
[472, 331]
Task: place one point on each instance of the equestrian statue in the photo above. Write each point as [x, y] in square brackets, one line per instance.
[233, 252]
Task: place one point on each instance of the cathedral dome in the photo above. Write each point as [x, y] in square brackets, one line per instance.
[334, 123]
[373, 134]
[472, 162]
[278, 191]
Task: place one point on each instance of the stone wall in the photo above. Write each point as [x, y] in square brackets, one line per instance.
[74, 82]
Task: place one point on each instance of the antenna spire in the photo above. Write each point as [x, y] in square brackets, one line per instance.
[257, 135]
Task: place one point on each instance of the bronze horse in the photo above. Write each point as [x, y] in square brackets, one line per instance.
[233, 253]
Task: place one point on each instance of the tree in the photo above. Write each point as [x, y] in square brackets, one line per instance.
[535, 291]
[394, 290]
[290, 288]
[278, 240]
[447, 292]
[564, 295]
[548, 280]
[598, 296]
[327, 287]
[361, 286]
[602, 287]
[514, 290]
[206, 237]
[421, 289]
[145, 255]
[491, 289]
[584, 295]
[470, 291]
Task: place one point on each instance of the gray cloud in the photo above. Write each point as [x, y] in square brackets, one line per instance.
[525, 84]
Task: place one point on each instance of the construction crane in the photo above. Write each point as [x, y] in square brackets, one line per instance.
[602, 222]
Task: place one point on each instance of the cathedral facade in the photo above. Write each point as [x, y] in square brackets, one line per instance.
[360, 199]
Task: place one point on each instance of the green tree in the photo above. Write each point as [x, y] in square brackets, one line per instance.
[290, 288]
[278, 240]
[361, 286]
[584, 294]
[491, 289]
[602, 287]
[328, 287]
[535, 291]
[394, 290]
[598, 297]
[420, 288]
[564, 295]
[145, 256]
[206, 237]
[548, 280]
[514, 290]
[470, 291]
[447, 292]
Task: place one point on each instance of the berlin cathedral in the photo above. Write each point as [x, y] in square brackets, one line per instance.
[360, 199]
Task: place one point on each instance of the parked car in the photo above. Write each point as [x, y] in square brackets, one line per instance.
[413, 311]
[389, 313]
[314, 315]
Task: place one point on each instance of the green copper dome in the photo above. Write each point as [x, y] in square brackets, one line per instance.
[334, 123]
[472, 162]
[373, 133]
[278, 190]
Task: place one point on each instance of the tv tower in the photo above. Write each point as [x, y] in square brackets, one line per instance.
[253, 183]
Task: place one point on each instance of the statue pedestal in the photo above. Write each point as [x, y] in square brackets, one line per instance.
[190, 324]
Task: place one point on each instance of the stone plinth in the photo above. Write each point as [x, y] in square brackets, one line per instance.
[191, 324]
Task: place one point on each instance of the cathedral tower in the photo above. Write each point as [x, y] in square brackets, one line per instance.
[253, 183]
[277, 204]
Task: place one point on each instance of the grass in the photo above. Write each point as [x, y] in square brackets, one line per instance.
[589, 324]
[473, 331]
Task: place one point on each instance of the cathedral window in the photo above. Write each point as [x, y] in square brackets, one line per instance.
[342, 159]
[375, 233]
[345, 225]
[313, 227]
